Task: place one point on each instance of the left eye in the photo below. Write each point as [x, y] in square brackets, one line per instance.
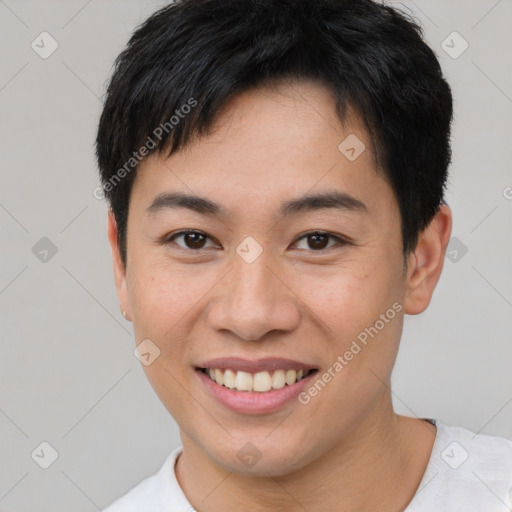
[318, 240]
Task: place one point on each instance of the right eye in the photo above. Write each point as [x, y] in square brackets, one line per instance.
[193, 240]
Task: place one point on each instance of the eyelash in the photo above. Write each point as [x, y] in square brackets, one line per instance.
[339, 240]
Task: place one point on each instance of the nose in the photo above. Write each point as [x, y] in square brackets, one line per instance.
[253, 301]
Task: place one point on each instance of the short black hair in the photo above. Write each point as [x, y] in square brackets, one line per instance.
[189, 58]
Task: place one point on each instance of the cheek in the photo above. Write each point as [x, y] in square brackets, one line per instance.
[163, 295]
[361, 315]
[350, 298]
[165, 301]
[165, 304]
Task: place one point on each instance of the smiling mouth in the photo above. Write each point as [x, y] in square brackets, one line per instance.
[260, 382]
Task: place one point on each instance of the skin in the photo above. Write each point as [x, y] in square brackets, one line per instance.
[346, 449]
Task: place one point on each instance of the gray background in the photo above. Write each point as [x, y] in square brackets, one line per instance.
[68, 375]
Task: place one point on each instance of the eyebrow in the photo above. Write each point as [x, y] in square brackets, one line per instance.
[178, 200]
[329, 199]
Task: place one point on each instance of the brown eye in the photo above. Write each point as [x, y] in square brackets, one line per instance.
[193, 240]
[318, 241]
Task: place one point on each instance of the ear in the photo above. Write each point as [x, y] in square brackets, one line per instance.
[119, 266]
[425, 263]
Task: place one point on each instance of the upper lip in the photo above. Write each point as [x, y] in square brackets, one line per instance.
[255, 366]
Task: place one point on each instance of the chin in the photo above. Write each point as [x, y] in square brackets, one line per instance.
[260, 457]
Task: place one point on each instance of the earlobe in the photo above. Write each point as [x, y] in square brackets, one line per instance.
[425, 263]
[119, 266]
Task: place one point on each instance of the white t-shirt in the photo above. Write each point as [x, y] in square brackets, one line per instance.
[466, 472]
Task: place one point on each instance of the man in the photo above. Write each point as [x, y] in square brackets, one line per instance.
[275, 173]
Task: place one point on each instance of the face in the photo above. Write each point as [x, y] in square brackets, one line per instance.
[267, 281]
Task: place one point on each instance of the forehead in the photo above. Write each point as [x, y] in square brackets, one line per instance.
[267, 144]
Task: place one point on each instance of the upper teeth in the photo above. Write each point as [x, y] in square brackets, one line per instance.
[261, 381]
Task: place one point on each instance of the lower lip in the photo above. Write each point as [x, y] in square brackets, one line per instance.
[246, 402]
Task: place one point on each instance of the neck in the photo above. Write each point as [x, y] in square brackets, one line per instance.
[371, 467]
